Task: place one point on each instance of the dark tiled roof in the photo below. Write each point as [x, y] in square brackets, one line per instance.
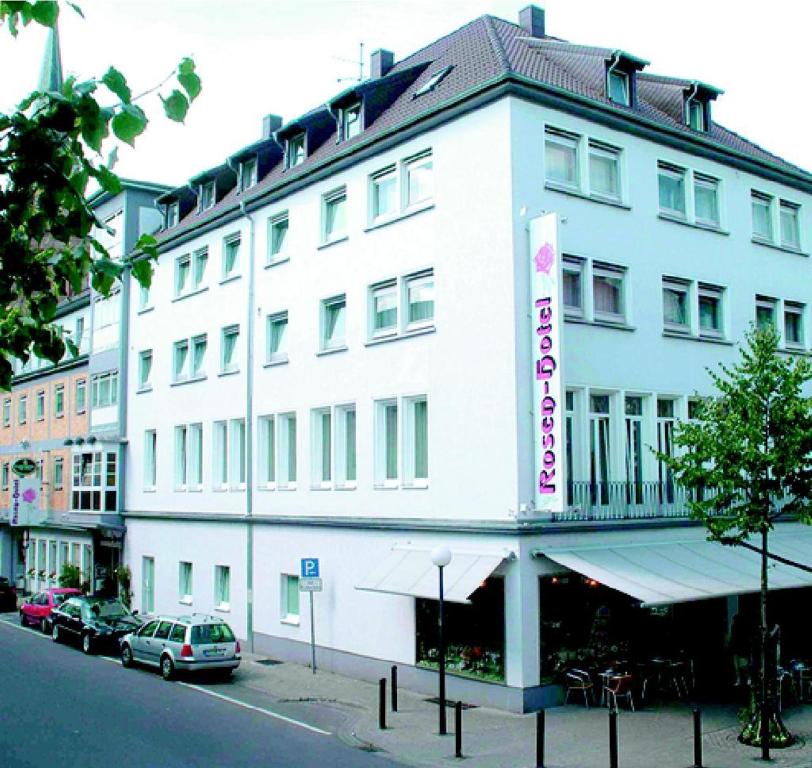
[484, 51]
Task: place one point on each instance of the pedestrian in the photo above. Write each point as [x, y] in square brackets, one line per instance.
[739, 648]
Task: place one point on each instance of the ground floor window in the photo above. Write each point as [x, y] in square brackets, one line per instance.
[147, 584]
[474, 633]
[222, 587]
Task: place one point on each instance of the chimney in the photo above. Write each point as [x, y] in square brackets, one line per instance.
[531, 19]
[270, 123]
[380, 63]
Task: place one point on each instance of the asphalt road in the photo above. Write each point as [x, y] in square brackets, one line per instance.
[60, 709]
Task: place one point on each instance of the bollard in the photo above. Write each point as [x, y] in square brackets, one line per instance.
[613, 738]
[540, 739]
[458, 729]
[697, 738]
[382, 703]
[394, 688]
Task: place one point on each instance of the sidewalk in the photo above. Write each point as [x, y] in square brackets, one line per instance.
[576, 738]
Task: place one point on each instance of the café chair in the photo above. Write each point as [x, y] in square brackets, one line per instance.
[579, 681]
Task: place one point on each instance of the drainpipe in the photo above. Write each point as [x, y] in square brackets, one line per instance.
[615, 62]
[688, 99]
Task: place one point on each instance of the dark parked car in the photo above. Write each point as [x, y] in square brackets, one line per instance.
[93, 622]
[8, 595]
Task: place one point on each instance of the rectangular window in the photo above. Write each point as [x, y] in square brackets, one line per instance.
[22, 410]
[696, 115]
[144, 369]
[295, 150]
[793, 324]
[181, 458]
[671, 181]
[180, 360]
[277, 337]
[231, 256]
[322, 454]
[248, 173]
[345, 442]
[289, 608]
[418, 180]
[710, 311]
[237, 458]
[561, 157]
[333, 314]
[194, 457]
[386, 443]
[573, 289]
[185, 582]
[385, 309]
[40, 405]
[147, 584]
[599, 444]
[199, 345]
[220, 455]
[766, 310]
[150, 455]
[7, 412]
[143, 297]
[351, 121]
[416, 449]
[286, 476]
[6, 477]
[790, 229]
[618, 87]
[607, 292]
[200, 260]
[762, 216]
[706, 200]
[59, 401]
[267, 451]
[676, 316]
[104, 389]
[222, 587]
[183, 269]
[384, 193]
[604, 171]
[59, 473]
[81, 395]
[172, 214]
[207, 196]
[277, 237]
[334, 215]
[228, 349]
[419, 291]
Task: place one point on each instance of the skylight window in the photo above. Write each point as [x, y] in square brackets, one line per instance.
[432, 82]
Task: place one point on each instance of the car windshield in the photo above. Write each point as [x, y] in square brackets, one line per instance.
[59, 597]
[212, 633]
[109, 609]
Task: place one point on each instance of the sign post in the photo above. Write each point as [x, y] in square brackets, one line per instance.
[310, 581]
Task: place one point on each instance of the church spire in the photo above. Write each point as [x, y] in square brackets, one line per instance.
[50, 76]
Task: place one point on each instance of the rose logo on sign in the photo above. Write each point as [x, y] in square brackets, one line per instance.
[545, 257]
[30, 495]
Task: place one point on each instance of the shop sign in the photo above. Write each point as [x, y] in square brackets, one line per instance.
[25, 497]
[547, 382]
[23, 467]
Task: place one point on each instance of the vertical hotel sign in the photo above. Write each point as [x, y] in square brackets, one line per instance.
[548, 390]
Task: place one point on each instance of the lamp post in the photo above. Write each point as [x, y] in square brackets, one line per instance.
[441, 557]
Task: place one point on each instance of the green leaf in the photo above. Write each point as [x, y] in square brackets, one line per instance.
[112, 157]
[142, 272]
[129, 123]
[117, 83]
[77, 9]
[47, 307]
[108, 180]
[188, 79]
[45, 12]
[176, 105]
[92, 122]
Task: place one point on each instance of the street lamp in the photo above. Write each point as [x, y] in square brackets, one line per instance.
[441, 557]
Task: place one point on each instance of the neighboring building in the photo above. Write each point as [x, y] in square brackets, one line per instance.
[336, 358]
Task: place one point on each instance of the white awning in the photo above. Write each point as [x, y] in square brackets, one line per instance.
[664, 572]
[409, 571]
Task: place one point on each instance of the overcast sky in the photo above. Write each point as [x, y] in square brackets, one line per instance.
[285, 57]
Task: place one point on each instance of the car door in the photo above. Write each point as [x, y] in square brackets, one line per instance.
[159, 640]
[75, 618]
[140, 638]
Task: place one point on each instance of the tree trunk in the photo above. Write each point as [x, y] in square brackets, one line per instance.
[764, 703]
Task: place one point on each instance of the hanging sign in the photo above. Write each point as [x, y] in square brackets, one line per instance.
[25, 499]
[23, 467]
[548, 382]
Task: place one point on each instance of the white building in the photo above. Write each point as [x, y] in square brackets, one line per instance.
[335, 358]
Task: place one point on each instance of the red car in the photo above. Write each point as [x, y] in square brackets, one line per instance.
[37, 609]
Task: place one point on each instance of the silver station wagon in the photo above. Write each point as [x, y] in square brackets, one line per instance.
[183, 644]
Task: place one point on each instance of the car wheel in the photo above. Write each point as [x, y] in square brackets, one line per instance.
[22, 618]
[87, 643]
[224, 674]
[126, 656]
[43, 625]
[167, 668]
[55, 633]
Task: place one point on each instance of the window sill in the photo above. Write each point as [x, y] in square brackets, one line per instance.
[777, 247]
[289, 487]
[142, 390]
[693, 224]
[692, 337]
[277, 262]
[185, 601]
[266, 487]
[230, 279]
[151, 489]
[188, 381]
[599, 323]
[400, 336]
[144, 310]
[272, 363]
[223, 608]
[332, 350]
[346, 487]
[335, 241]
[195, 292]
[796, 350]
[320, 487]
[290, 621]
[227, 373]
[572, 191]
[393, 486]
[398, 217]
[416, 486]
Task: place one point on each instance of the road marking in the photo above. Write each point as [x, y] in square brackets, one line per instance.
[267, 712]
[10, 623]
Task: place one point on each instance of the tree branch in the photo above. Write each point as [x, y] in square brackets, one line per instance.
[729, 542]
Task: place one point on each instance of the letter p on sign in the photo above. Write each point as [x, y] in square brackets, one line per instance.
[310, 568]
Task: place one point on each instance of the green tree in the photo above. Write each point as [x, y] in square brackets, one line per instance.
[50, 151]
[747, 458]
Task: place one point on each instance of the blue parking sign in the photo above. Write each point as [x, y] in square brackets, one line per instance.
[310, 567]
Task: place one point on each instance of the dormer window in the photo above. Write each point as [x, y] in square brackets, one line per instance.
[172, 214]
[696, 114]
[206, 195]
[248, 173]
[618, 87]
[432, 82]
[351, 121]
[296, 150]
